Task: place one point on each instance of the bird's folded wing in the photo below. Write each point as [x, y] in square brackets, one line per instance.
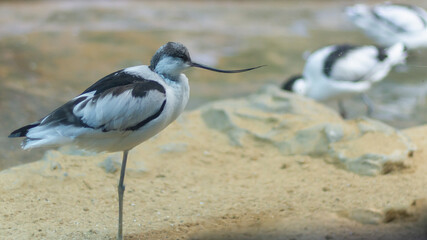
[401, 18]
[356, 64]
[121, 108]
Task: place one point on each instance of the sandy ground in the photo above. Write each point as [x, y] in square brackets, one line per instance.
[189, 183]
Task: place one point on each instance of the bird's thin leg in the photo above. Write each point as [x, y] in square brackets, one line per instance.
[369, 104]
[341, 109]
[121, 190]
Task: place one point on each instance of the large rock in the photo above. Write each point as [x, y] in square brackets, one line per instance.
[298, 126]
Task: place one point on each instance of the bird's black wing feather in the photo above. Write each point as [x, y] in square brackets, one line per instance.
[118, 91]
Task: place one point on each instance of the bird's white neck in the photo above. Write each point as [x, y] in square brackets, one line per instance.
[170, 68]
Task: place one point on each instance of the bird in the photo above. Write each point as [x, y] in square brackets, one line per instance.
[339, 71]
[389, 23]
[121, 110]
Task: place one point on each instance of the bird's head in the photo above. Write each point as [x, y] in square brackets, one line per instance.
[296, 84]
[173, 58]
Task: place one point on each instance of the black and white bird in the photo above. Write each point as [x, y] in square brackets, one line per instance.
[339, 71]
[121, 110]
[389, 23]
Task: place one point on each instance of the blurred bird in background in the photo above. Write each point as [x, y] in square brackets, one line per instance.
[389, 23]
[337, 72]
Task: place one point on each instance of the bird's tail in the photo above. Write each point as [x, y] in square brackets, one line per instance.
[22, 132]
[396, 54]
[37, 135]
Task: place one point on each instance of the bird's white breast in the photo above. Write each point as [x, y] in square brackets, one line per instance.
[177, 95]
[177, 91]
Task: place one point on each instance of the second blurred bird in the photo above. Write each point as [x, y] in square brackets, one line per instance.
[337, 72]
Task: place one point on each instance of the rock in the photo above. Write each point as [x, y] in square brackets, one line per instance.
[173, 147]
[270, 115]
[373, 148]
[110, 164]
[49, 160]
[313, 141]
[364, 216]
[221, 120]
[296, 125]
[113, 163]
[417, 210]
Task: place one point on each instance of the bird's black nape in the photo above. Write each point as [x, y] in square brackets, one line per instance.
[198, 65]
[289, 83]
[172, 49]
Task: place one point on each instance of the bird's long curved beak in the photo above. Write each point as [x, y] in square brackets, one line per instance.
[193, 64]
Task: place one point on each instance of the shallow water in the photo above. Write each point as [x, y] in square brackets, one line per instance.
[52, 51]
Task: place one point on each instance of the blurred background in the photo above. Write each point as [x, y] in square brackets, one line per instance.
[51, 51]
